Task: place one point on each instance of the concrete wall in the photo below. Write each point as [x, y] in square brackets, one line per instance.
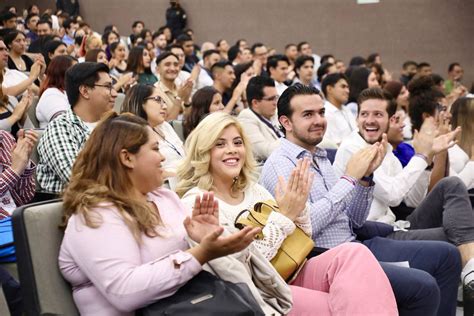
[437, 31]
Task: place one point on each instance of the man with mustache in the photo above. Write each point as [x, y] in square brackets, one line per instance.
[338, 206]
[444, 213]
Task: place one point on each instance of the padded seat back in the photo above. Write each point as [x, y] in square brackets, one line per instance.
[37, 241]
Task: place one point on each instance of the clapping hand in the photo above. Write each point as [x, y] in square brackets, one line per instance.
[203, 227]
[292, 197]
[22, 151]
[381, 151]
[205, 217]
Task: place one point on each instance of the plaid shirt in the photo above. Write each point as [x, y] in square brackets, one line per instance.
[58, 148]
[21, 187]
[336, 205]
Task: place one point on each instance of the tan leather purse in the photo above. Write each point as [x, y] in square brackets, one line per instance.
[291, 256]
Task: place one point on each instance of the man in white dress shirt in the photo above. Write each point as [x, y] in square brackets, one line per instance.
[444, 213]
[210, 57]
[340, 120]
[278, 67]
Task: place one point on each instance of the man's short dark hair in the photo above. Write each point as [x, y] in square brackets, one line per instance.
[82, 74]
[165, 55]
[255, 46]
[273, 60]
[372, 57]
[220, 65]
[332, 80]
[156, 34]
[233, 53]
[300, 45]
[255, 88]
[170, 47]
[325, 58]
[209, 52]
[409, 63]
[7, 15]
[182, 38]
[452, 65]
[323, 70]
[301, 60]
[422, 65]
[45, 21]
[289, 45]
[284, 107]
[377, 94]
[135, 23]
[67, 23]
[29, 16]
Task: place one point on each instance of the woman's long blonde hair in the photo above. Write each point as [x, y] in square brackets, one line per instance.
[194, 169]
[463, 115]
[98, 176]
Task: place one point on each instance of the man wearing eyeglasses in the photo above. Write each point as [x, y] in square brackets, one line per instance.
[259, 121]
[90, 92]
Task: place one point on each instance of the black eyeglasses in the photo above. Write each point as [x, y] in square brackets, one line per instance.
[108, 86]
[157, 99]
[272, 98]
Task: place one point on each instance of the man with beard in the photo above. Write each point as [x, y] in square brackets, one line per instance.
[445, 212]
[340, 205]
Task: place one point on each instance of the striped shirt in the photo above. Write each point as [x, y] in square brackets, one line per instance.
[21, 187]
[337, 205]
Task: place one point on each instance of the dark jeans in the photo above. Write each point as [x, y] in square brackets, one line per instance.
[429, 286]
[445, 214]
[11, 289]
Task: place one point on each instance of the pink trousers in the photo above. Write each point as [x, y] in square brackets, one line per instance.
[345, 280]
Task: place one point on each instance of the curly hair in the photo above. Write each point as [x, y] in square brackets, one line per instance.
[194, 169]
[98, 176]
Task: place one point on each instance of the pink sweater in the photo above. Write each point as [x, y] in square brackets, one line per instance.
[111, 274]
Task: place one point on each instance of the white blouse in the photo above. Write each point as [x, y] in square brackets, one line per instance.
[278, 226]
[51, 103]
[172, 149]
[461, 166]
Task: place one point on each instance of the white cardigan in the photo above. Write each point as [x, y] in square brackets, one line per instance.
[276, 230]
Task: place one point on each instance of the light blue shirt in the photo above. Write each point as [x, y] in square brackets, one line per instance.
[336, 205]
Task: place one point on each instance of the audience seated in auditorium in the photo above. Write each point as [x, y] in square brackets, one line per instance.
[442, 212]
[226, 166]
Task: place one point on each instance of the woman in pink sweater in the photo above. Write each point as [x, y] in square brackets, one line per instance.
[124, 246]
